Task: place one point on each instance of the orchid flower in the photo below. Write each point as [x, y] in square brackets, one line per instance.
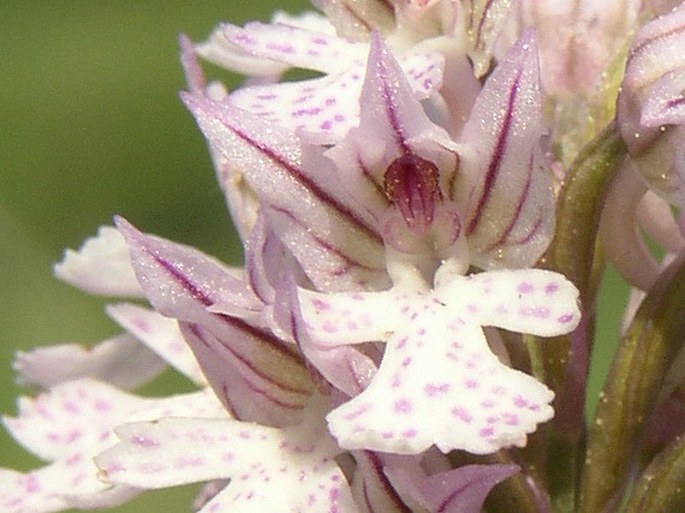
[381, 349]
[651, 123]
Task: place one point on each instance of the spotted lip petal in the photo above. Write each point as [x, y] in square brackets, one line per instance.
[324, 109]
[301, 195]
[344, 367]
[437, 370]
[512, 205]
[289, 470]
[234, 350]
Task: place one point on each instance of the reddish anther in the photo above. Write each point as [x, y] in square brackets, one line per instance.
[412, 184]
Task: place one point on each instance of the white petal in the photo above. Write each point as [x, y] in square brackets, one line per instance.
[270, 469]
[121, 361]
[439, 384]
[102, 266]
[72, 423]
[527, 300]
[161, 334]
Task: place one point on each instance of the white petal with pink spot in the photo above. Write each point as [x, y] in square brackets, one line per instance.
[439, 383]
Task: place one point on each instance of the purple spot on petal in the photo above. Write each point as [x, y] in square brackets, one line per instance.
[487, 432]
[525, 287]
[520, 402]
[409, 433]
[433, 389]
[551, 288]
[330, 327]
[566, 318]
[402, 406]
[462, 414]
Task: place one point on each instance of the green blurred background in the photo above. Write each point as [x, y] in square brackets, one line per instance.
[91, 126]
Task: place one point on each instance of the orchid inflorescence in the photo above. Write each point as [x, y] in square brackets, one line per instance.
[425, 225]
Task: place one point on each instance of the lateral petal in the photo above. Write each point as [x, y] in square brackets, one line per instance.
[102, 266]
[122, 361]
[512, 204]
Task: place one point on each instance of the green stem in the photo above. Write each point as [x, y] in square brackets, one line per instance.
[562, 362]
[635, 380]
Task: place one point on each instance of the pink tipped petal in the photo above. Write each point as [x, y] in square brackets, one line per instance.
[531, 301]
[184, 284]
[121, 361]
[512, 204]
[324, 109]
[462, 490]
[270, 470]
[295, 46]
[191, 67]
[102, 266]
[301, 189]
[161, 335]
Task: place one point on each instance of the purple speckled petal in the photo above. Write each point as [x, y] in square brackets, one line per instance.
[183, 283]
[51, 488]
[344, 367]
[440, 384]
[122, 361]
[101, 266]
[437, 371]
[296, 46]
[462, 490]
[531, 301]
[512, 205]
[270, 469]
[70, 425]
[161, 335]
[324, 109]
[302, 191]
